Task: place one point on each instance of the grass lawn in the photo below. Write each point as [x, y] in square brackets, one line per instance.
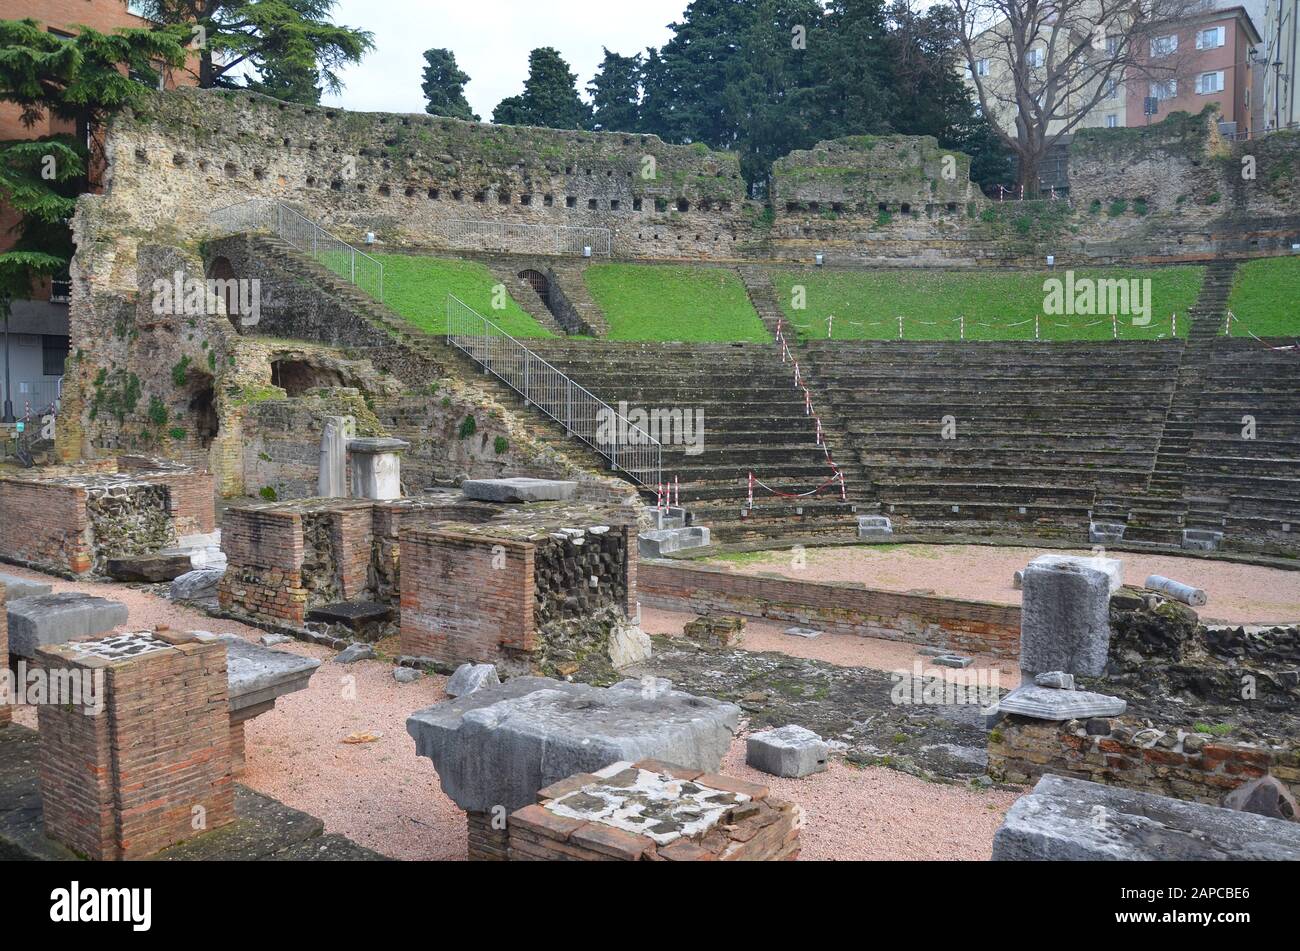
[417, 288]
[997, 305]
[1266, 297]
[665, 302]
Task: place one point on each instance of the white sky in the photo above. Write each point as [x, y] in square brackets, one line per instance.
[491, 40]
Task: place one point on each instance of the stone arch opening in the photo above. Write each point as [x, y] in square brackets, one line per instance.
[297, 376]
[225, 284]
[203, 409]
[538, 281]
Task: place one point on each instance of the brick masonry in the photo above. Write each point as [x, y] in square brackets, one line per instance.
[6, 710]
[264, 552]
[759, 829]
[486, 842]
[1168, 762]
[148, 764]
[973, 626]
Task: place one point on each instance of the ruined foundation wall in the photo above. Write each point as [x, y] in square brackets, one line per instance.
[45, 526]
[264, 573]
[6, 710]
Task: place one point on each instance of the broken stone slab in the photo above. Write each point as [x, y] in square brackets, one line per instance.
[1106, 533]
[470, 677]
[1059, 821]
[150, 569]
[499, 745]
[1112, 568]
[875, 526]
[721, 630]
[198, 585]
[258, 675]
[791, 751]
[1064, 620]
[353, 653]
[1050, 703]
[1266, 796]
[17, 588]
[1055, 679]
[659, 542]
[58, 619]
[519, 490]
[805, 632]
[354, 615]
[1199, 539]
[670, 516]
[274, 640]
[1185, 593]
[406, 675]
[628, 645]
[953, 660]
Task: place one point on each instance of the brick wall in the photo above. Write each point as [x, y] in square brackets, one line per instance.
[6, 712]
[193, 500]
[467, 598]
[152, 766]
[264, 551]
[1167, 762]
[973, 626]
[45, 526]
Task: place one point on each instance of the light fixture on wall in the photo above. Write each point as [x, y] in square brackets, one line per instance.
[1051, 261]
[370, 237]
[820, 258]
[586, 250]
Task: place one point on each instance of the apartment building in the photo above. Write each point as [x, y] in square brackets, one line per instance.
[1278, 99]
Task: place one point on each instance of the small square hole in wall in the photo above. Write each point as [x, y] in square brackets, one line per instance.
[548, 200]
[636, 204]
[570, 202]
[458, 195]
[591, 203]
[525, 199]
[480, 197]
[614, 204]
[503, 198]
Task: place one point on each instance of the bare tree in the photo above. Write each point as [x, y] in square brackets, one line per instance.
[1040, 67]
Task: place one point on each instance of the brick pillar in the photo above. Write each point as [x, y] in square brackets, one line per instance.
[144, 762]
[6, 712]
[486, 844]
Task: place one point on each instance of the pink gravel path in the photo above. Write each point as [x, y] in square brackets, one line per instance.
[383, 796]
[1239, 594]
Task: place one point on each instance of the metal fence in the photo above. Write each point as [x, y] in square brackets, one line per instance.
[629, 448]
[299, 231]
[474, 235]
[34, 398]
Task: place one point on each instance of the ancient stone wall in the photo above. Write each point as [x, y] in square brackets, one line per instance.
[6, 708]
[973, 626]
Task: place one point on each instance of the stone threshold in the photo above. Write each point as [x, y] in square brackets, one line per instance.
[264, 828]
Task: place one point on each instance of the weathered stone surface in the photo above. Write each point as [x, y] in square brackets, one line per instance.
[1185, 593]
[1056, 679]
[17, 588]
[1065, 620]
[150, 568]
[658, 542]
[500, 745]
[1112, 568]
[406, 675]
[59, 618]
[258, 674]
[628, 645]
[1049, 703]
[1266, 796]
[519, 490]
[874, 526]
[1058, 821]
[958, 661]
[197, 585]
[353, 615]
[273, 640]
[805, 632]
[723, 630]
[354, 653]
[471, 677]
[787, 751]
[377, 468]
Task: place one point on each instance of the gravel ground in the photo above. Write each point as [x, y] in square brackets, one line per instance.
[384, 797]
[1239, 594]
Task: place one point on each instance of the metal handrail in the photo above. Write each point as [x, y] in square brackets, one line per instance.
[629, 448]
[296, 229]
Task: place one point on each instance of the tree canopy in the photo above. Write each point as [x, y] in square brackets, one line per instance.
[550, 97]
[444, 86]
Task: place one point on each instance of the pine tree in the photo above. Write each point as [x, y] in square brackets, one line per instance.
[616, 94]
[444, 86]
[550, 96]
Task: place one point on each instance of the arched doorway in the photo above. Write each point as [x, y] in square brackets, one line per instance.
[538, 282]
[221, 277]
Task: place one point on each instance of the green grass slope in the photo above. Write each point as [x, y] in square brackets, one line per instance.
[997, 305]
[666, 302]
[1266, 298]
[417, 287]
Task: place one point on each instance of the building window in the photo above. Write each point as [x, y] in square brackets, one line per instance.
[981, 67]
[1207, 83]
[1112, 45]
[1165, 90]
[1112, 88]
[1112, 121]
[1164, 45]
[1035, 56]
[54, 353]
[1211, 38]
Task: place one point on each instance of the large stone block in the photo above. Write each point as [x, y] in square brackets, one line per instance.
[197, 585]
[518, 490]
[1074, 820]
[150, 569]
[663, 541]
[17, 588]
[471, 677]
[499, 745]
[59, 618]
[1050, 703]
[787, 751]
[258, 675]
[1064, 620]
[1112, 568]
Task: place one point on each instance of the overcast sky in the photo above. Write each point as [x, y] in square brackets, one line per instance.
[491, 40]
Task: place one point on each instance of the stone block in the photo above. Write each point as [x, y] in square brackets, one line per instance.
[807, 633]
[1064, 620]
[953, 660]
[198, 585]
[258, 675]
[875, 526]
[1049, 703]
[150, 569]
[471, 677]
[1112, 568]
[1056, 679]
[59, 618]
[659, 542]
[787, 751]
[17, 588]
[721, 630]
[499, 745]
[354, 615]
[1058, 821]
[519, 490]
[1266, 796]
[353, 653]
[1197, 539]
[1106, 533]
[628, 645]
